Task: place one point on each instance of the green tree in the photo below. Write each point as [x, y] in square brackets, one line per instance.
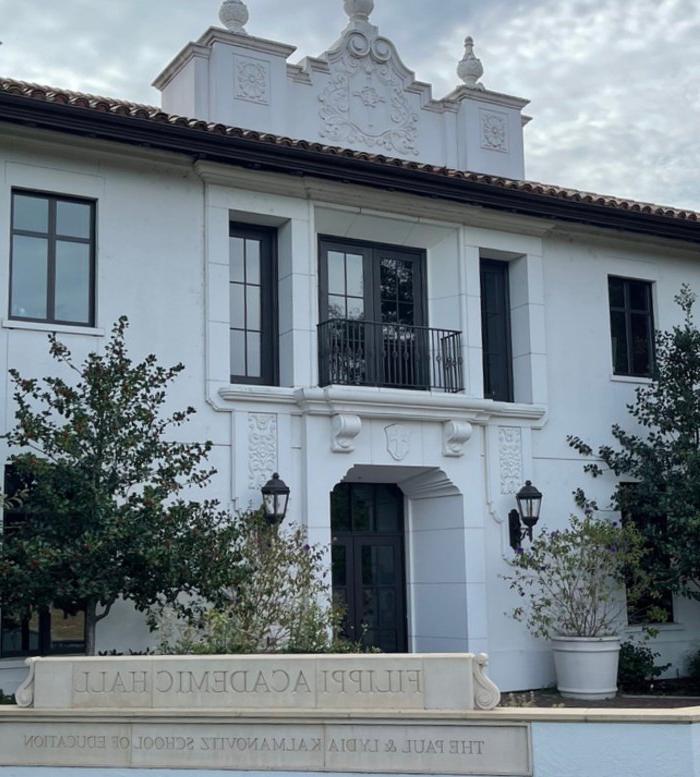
[108, 504]
[662, 457]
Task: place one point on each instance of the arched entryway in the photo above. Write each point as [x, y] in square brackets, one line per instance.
[368, 563]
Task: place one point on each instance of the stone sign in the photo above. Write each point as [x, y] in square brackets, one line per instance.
[398, 714]
[397, 748]
[345, 682]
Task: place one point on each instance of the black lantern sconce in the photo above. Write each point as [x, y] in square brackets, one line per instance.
[529, 501]
[275, 494]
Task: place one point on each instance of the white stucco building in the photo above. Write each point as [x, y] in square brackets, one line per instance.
[383, 310]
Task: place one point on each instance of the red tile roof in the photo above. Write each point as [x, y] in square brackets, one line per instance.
[109, 105]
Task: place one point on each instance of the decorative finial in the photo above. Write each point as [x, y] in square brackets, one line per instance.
[470, 68]
[234, 16]
[359, 10]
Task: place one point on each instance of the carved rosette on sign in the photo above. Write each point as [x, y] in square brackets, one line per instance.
[364, 101]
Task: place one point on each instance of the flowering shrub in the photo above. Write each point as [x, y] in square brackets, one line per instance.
[572, 581]
[281, 601]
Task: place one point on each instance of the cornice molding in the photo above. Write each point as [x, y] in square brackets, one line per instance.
[393, 404]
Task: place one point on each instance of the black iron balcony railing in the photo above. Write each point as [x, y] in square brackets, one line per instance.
[364, 353]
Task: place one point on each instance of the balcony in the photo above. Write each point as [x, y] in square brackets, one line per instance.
[364, 353]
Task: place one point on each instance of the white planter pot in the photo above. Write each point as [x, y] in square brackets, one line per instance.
[586, 667]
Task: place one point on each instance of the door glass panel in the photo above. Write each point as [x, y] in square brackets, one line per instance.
[339, 560]
[369, 608]
[362, 508]
[356, 309]
[384, 566]
[237, 352]
[355, 282]
[336, 273]
[336, 307]
[387, 608]
[29, 276]
[34, 633]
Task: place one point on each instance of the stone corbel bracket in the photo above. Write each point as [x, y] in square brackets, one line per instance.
[344, 431]
[455, 435]
[486, 694]
[24, 695]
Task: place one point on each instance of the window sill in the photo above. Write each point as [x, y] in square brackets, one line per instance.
[64, 329]
[660, 627]
[630, 379]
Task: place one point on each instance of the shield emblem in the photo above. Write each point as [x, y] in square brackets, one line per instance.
[398, 441]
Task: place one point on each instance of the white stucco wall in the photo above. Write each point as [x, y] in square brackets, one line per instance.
[162, 259]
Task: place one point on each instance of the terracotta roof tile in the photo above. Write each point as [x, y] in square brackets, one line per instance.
[154, 114]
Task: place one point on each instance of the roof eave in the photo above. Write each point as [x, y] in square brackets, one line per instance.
[234, 149]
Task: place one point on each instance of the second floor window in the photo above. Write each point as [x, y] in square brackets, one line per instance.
[253, 319]
[632, 327]
[52, 275]
[495, 325]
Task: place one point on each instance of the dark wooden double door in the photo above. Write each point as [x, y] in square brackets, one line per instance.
[367, 524]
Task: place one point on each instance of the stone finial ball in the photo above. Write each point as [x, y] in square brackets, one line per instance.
[359, 9]
[234, 15]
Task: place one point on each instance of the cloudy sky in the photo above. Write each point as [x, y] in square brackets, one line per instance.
[614, 84]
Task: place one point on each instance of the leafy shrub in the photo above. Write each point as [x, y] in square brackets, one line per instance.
[280, 602]
[638, 669]
[694, 666]
[572, 581]
[5, 699]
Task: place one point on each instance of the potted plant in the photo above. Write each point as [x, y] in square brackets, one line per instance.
[573, 584]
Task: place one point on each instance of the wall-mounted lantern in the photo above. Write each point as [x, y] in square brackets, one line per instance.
[275, 494]
[529, 501]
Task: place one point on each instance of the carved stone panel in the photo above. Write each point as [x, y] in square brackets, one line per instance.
[251, 80]
[510, 459]
[398, 441]
[262, 449]
[364, 101]
[494, 131]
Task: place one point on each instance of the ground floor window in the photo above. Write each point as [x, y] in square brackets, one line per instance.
[48, 631]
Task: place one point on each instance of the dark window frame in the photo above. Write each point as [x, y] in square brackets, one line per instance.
[269, 295]
[501, 268]
[628, 312]
[52, 237]
[17, 516]
[371, 272]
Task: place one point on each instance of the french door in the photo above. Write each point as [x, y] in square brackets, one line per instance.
[368, 564]
[374, 312]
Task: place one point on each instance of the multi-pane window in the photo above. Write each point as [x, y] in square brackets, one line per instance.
[52, 259]
[253, 318]
[632, 327]
[496, 332]
[44, 631]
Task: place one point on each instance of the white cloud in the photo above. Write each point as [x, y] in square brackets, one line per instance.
[615, 85]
